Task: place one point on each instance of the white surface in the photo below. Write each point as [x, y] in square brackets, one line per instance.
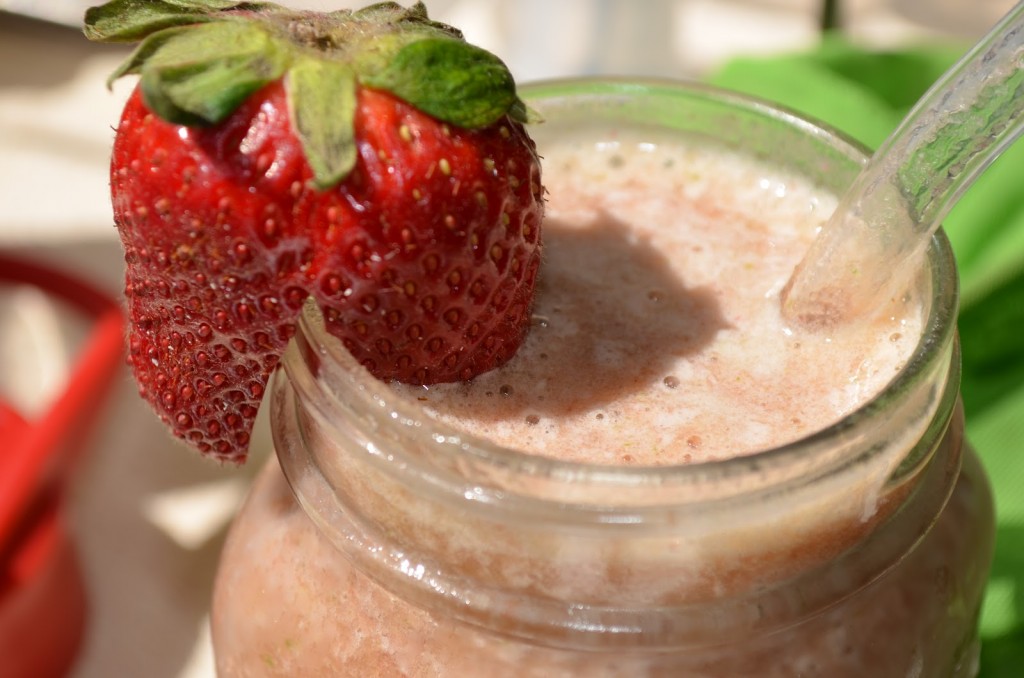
[150, 516]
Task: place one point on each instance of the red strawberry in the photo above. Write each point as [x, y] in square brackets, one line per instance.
[371, 160]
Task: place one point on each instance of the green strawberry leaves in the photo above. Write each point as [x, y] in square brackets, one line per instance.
[407, 17]
[205, 72]
[322, 96]
[199, 59]
[131, 20]
[199, 75]
[450, 80]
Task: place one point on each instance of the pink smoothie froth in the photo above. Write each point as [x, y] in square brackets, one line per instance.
[657, 336]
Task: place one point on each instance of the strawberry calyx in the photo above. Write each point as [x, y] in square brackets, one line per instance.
[198, 60]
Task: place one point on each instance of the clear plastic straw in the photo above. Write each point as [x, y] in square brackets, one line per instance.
[873, 243]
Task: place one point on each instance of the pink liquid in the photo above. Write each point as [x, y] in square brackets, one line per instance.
[658, 304]
[657, 341]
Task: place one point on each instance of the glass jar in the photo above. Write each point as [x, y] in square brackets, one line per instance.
[392, 545]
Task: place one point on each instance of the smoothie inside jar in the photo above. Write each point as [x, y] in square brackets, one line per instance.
[657, 336]
[667, 479]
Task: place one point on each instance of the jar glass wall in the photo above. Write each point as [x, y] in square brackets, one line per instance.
[395, 545]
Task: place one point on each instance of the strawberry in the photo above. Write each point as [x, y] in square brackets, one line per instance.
[372, 161]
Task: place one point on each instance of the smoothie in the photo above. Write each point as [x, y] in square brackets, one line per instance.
[658, 337]
[667, 480]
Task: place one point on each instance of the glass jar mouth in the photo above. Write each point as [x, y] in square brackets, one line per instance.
[459, 458]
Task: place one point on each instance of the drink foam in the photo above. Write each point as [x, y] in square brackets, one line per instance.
[657, 336]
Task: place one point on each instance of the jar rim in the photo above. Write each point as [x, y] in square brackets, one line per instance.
[809, 457]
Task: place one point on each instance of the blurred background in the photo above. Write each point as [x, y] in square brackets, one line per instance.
[149, 517]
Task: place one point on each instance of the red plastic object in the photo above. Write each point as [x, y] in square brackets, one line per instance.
[42, 596]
